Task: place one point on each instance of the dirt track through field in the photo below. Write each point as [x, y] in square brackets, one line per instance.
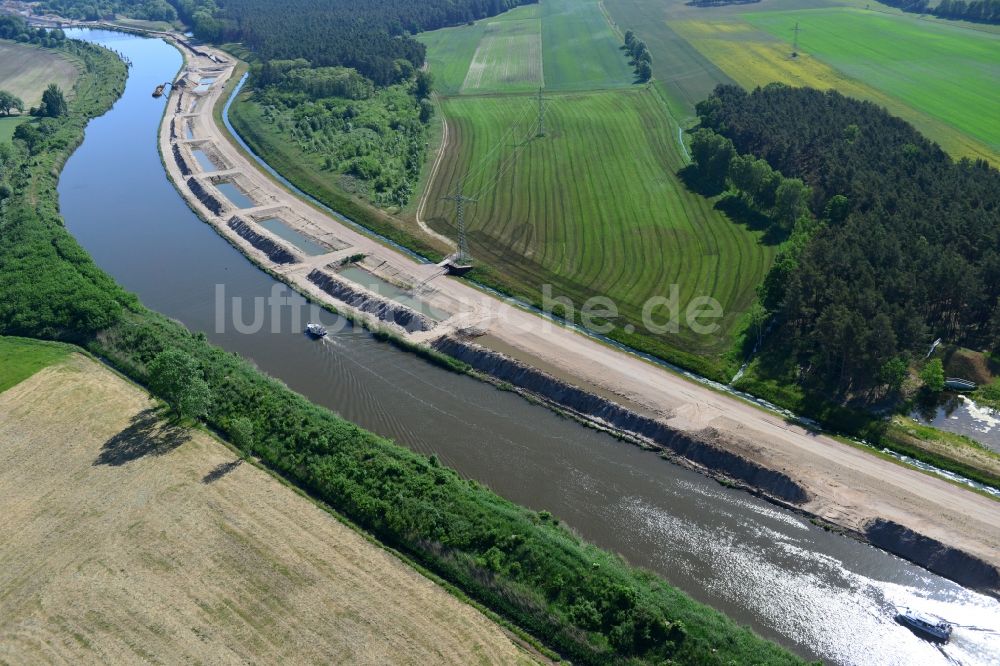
[122, 540]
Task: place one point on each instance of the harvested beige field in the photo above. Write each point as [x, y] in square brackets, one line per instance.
[27, 71]
[124, 540]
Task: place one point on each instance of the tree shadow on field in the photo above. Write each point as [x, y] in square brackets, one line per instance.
[147, 434]
[221, 470]
[739, 212]
[693, 180]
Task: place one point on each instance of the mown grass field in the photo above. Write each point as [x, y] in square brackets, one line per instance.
[946, 71]
[594, 207]
[684, 73]
[7, 127]
[450, 50]
[578, 50]
[27, 71]
[907, 64]
[508, 58]
[127, 539]
[754, 58]
[20, 358]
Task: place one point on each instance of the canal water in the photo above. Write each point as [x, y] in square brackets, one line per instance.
[822, 595]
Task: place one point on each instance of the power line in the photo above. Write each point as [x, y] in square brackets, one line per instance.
[541, 114]
[504, 166]
[484, 162]
[463, 258]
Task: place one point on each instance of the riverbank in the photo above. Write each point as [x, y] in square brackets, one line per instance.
[843, 486]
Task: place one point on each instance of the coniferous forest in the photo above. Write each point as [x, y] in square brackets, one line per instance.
[902, 245]
[369, 37]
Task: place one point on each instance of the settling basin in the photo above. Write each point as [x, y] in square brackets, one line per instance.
[392, 292]
[820, 594]
[296, 238]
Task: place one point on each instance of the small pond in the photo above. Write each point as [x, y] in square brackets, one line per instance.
[235, 195]
[278, 227]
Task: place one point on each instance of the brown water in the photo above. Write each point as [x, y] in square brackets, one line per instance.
[820, 594]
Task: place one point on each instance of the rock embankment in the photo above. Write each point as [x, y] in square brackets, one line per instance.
[181, 162]
[386, 310]
[699, 448]
[933, 555]
[274, 252]
[211, 202]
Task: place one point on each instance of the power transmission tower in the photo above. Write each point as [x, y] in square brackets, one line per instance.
[541, 114]
[463, 258]
[795, 43]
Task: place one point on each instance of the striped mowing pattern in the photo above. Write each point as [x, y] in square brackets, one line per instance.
[594, 207]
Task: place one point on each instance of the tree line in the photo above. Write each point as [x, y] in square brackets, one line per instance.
[370, 37]
[716, 166]
[17, 29]
[977, 11]
[904, 244]
[97, 10]
[639, 56]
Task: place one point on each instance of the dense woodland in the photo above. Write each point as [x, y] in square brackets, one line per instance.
[903, 244]
[372, 138]
[17, 29]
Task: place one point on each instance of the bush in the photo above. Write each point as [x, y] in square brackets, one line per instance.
[932, 376]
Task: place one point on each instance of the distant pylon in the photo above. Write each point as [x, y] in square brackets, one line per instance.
[795, 43]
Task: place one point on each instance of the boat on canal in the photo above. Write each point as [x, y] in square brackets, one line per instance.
[316, 330]
[926, 625]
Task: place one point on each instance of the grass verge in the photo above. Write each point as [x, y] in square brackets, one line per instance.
[22, 357]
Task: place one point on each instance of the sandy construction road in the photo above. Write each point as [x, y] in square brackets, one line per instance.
[122, 541]
[846, 486]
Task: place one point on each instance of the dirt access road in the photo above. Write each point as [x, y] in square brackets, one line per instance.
[123, 540]
[846, 486]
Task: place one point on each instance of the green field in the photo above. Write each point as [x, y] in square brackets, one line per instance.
[938, 75]
[7, 127]
[559, 44]
[27, 70]
[580, 49]
[450, 51]
[683, 72]
[594, 207]
[947, 71]
[508, 58]
[20, 358]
